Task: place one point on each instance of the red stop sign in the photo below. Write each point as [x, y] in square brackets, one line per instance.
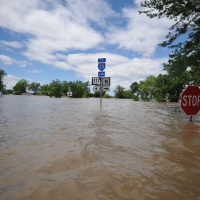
[190, 100]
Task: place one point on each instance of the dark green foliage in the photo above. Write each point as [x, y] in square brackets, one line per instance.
[8, 92]
[2, 74]
[122, 93]
[119, 92]
[34, 87]
[135, 88]
[58, 89]
[97, 94]
[135, 98]
[55, 88]
[187, 22]
[20, 86]
[107, 96]
[147, 88]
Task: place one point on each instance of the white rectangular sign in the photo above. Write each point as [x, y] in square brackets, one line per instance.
[96, 88]
[106, 81]
[69, 94]
[96, 81]
[106, 88]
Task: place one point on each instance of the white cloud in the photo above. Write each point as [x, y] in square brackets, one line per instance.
[7, 60]
[55, 28]
[122, 70]
[12, 44]
[91, 10]
[141, 35]
[11, 81]
[11, 61]
[34, 71]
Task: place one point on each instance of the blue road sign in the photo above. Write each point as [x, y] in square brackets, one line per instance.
[101, 66]
[102, 60]
[101, 74]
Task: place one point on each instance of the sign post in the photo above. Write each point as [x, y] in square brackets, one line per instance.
[101, 83]
[101, 67]
[190, 100]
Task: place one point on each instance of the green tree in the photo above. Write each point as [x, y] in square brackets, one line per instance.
[20, 86]
[119, 91]
[44, 90]
[34, 87]
[194, 76]
[135, 88]
[128, 94]
[55, 88]
[176, 85]
[185, 13]
[147, 88]
[2, 74]
[161, 84]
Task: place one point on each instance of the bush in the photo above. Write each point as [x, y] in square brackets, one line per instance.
[161, 99]
[135, 98]
[16, 92]
[107, 96]
[63, 94]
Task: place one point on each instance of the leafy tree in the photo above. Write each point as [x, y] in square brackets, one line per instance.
[55, 88]
[2, 74]
[135, 88]
[161, 85]
[44, 90]
[34, 87]
[176, 85]
[65, 86]
[79, 89]
[194, 76]
[147, 88]
[119, 91]
[187, 22]
[128, 94]
[20, 86]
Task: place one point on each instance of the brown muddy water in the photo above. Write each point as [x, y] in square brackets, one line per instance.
[71, 149]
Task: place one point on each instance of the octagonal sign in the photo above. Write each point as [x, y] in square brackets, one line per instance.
[190, 100]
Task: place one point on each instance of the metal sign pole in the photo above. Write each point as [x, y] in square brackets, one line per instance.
[101, 92]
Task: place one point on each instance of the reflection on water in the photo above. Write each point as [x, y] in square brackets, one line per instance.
[71, 149]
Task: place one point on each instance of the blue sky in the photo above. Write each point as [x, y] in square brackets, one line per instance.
[45, 40]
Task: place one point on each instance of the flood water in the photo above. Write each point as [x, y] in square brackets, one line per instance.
[73, 149]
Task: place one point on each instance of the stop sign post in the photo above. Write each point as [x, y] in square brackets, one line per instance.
[190, 100]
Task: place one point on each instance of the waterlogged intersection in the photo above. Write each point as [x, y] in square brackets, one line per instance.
[72, 149]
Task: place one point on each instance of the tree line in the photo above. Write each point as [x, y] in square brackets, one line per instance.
[163, 87]
[56, 88]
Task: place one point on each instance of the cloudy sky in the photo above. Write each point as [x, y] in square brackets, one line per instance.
[45, 40]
